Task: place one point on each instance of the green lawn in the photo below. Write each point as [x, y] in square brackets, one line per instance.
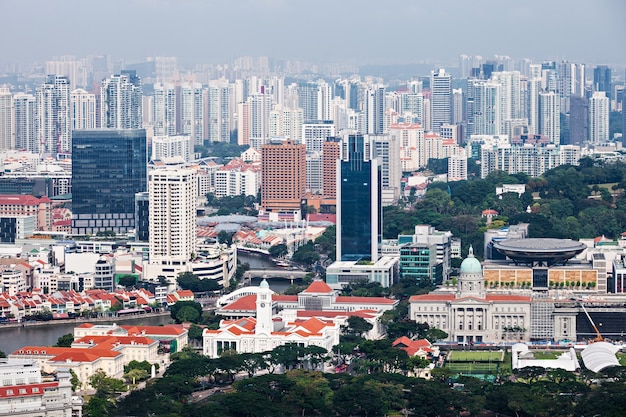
[475, 356]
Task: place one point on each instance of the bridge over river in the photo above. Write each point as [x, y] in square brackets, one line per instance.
[290, 274]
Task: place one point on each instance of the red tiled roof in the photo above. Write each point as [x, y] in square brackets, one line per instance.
[169, 329]
[318, 287]
[29, 390]
[364, 300]
[285, 298]
[245, 303]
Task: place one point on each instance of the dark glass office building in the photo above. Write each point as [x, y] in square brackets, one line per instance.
[108, 169]
[359, 214]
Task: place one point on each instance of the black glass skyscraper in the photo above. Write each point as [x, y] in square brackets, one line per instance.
[359, 212]
[108, 169]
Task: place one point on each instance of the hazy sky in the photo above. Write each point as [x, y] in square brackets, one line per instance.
[351, 31]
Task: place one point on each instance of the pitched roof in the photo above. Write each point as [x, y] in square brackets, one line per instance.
[318, 286]
[432, 297]
[364, 300]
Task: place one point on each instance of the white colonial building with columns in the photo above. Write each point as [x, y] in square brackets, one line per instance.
[469, 314]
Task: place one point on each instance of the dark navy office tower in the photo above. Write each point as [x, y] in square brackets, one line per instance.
[359, 214]
[108, 169]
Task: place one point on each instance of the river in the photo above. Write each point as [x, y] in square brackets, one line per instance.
[257, 261]
[13, 338]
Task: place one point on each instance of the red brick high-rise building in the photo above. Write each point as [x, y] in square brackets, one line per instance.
[283, 178]
[331, 152]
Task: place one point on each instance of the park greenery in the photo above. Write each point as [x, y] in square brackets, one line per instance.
[190, 281]
[569, 202]
[238, 204]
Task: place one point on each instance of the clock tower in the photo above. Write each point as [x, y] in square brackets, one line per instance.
[264, 323]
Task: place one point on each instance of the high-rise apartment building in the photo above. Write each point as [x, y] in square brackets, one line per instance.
[283, 173]
[259, 107]
[168, 147]
[173, 193]
[578, 120]
[121, 101]
[571, 83]
[484, 116]
[108, 169]
[164, 109]
[25, 122]
[219, 123]
[314, 99]
[53, 115]
[550, 116]
[7, 137]
[374, 109]
[510, 95]
[412, 106]
[286, 122]
[331, 153]
[599, 118]
[602, 79]
[440, 95]
[359, 213]
[83, 109]
[190, 111]
[315, 133]
[386, 148]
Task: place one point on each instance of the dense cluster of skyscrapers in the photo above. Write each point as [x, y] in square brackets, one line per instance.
[513, 116]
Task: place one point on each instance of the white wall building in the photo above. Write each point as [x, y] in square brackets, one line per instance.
[173, 198]
[164, 147]
[599, 118]
[470, 314]
[264, 332]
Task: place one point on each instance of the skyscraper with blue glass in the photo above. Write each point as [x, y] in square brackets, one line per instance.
[108, 169]
[359, 214]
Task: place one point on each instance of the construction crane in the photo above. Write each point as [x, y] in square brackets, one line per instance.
[598, 337]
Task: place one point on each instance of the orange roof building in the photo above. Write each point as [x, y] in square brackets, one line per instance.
[266, 331]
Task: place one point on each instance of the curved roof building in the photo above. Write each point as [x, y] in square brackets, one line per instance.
[540, 251]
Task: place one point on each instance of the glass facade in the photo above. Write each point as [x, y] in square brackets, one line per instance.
[418, 263]
[108, 169]
[360, 204]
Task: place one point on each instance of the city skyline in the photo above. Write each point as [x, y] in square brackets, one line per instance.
[363, 33]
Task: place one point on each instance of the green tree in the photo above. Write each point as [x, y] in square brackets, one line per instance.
[357, 326]
[310, 394]
[104, 385]
[279, 250]
[65, 341]
[195, 332]
[74, 380]
[187, 314]
[127, 280]
[179, 305]
[225, 237]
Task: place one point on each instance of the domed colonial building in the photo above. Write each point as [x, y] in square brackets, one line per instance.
[471, 314]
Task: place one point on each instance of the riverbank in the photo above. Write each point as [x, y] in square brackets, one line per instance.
[78, 321]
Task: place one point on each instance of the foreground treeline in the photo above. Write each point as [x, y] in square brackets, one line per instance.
[290, 385]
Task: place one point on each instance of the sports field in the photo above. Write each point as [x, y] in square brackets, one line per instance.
[475, 356]
[474, 362]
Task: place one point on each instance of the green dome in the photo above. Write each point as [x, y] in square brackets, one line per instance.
[471, 265]
[264, 284]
